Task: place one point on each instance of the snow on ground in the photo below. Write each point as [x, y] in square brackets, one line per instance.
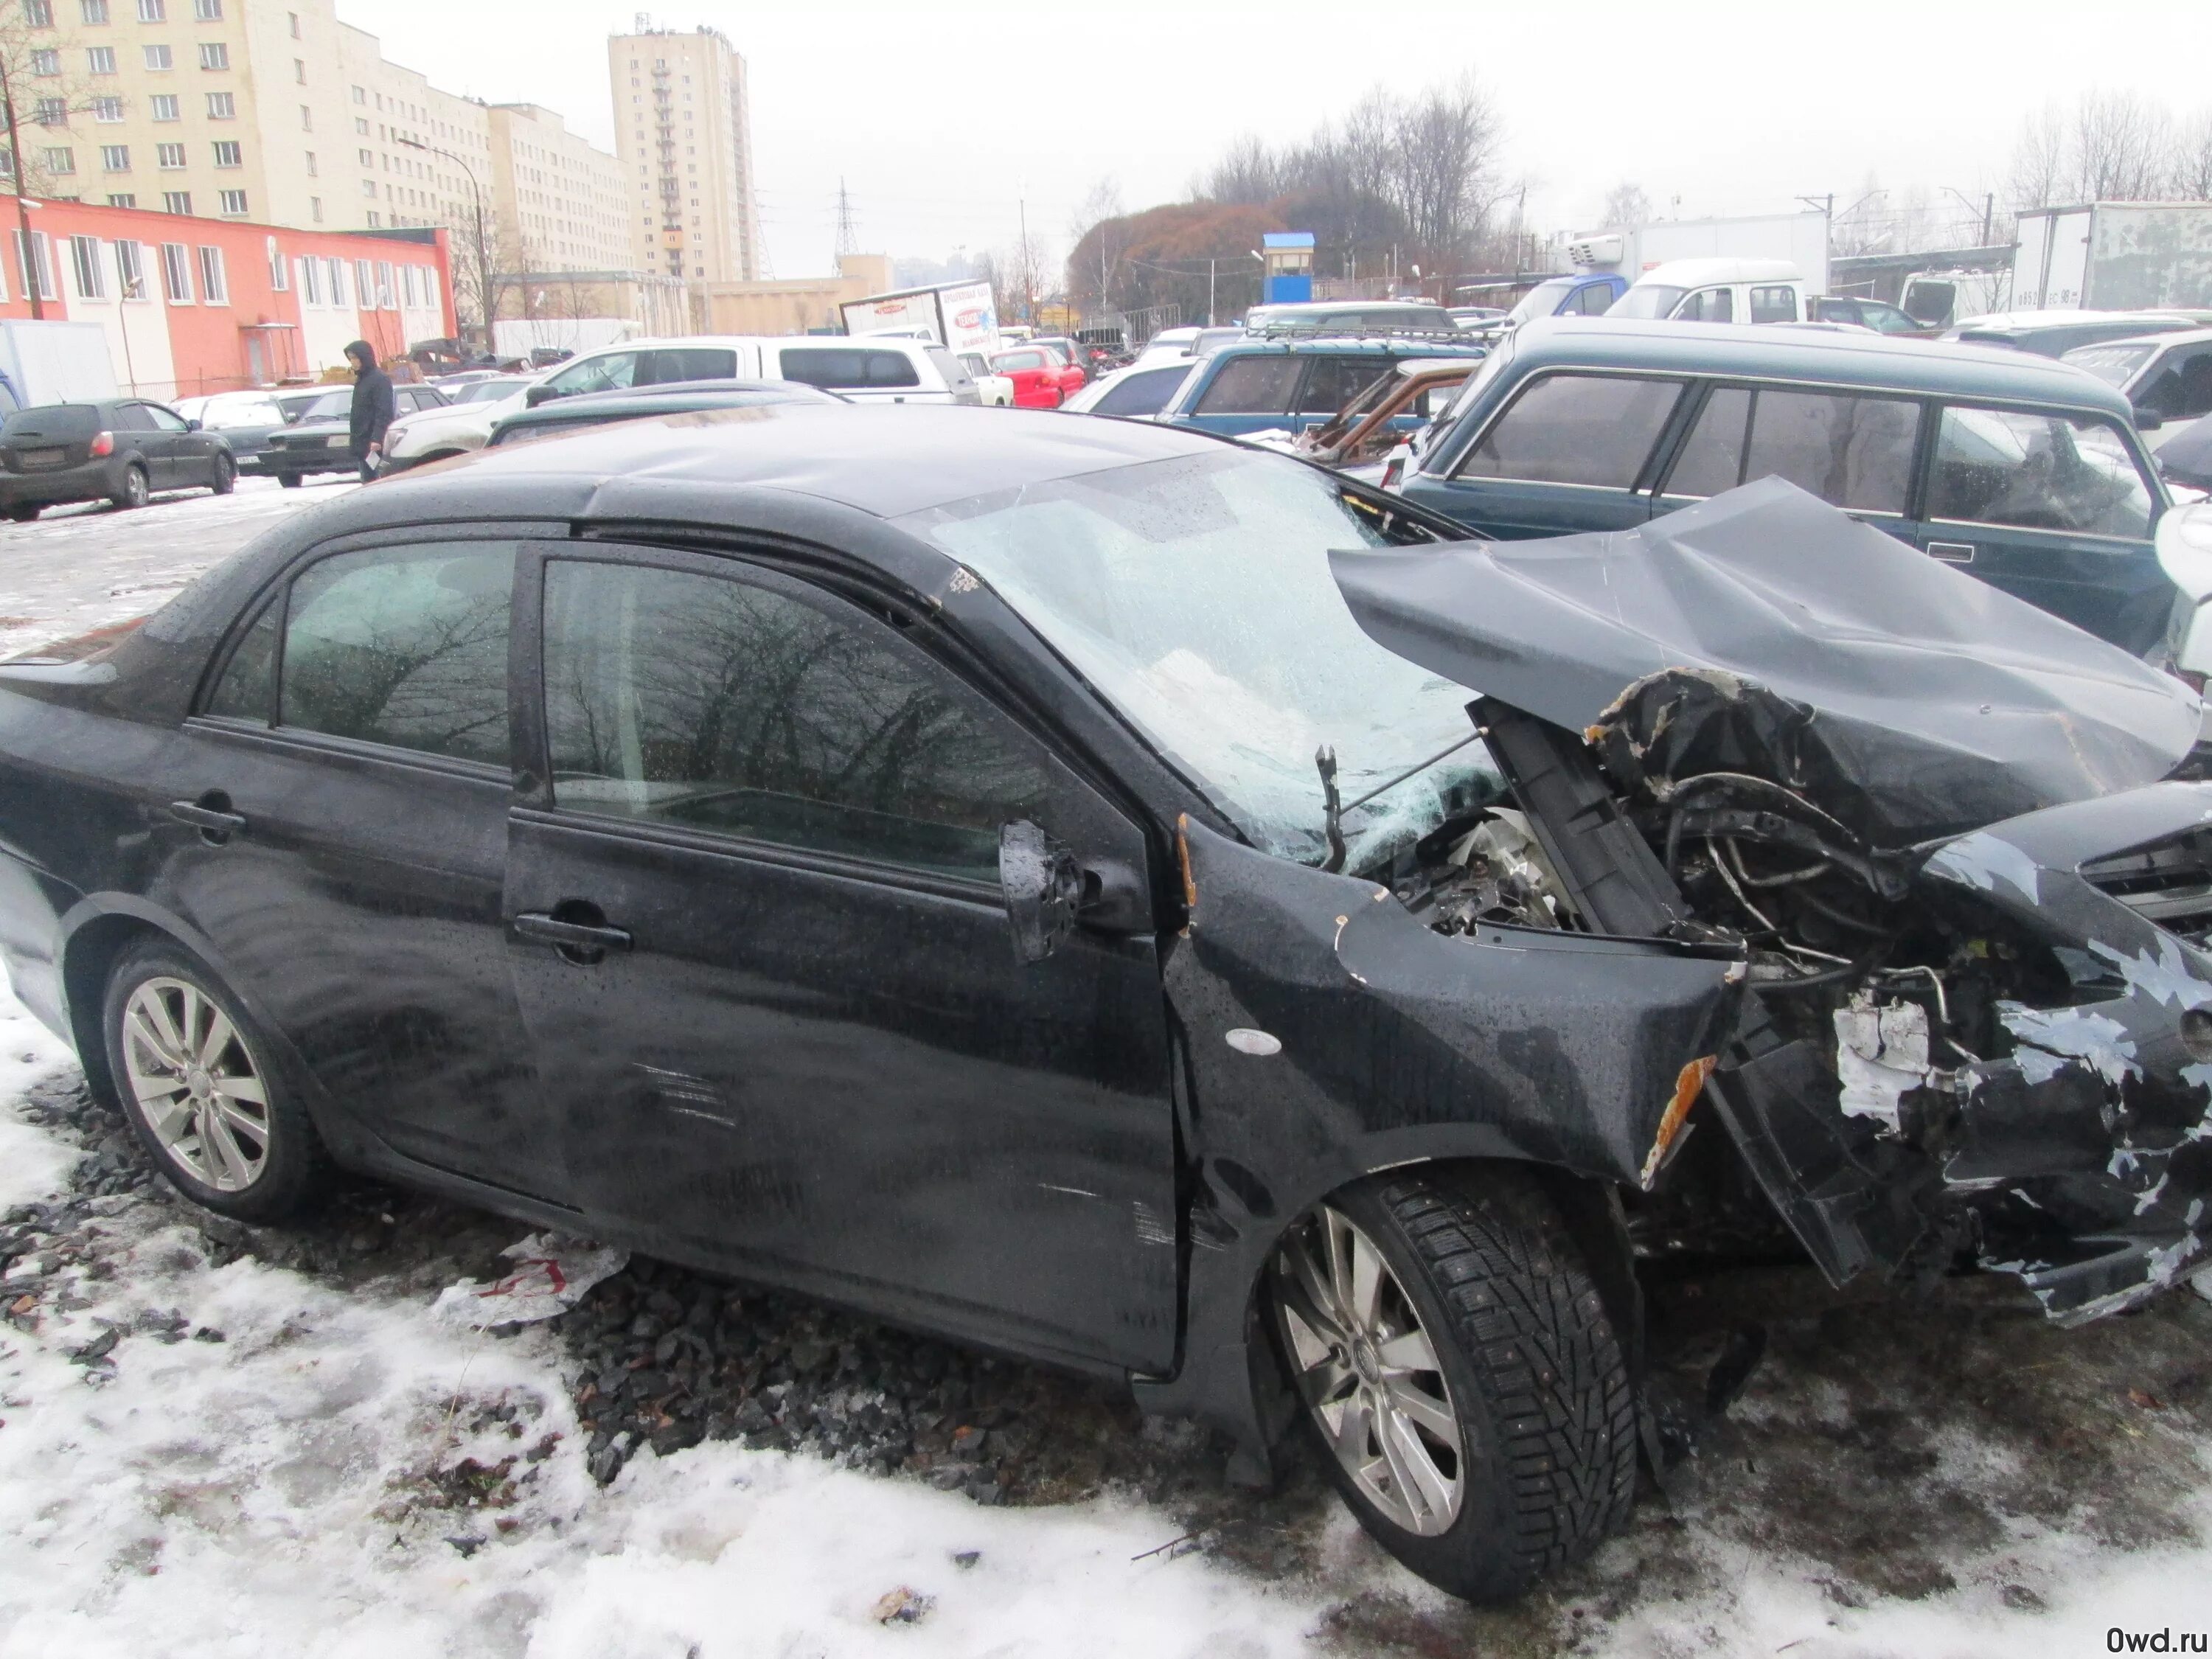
[204, 1451]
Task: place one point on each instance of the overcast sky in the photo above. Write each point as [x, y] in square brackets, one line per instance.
[941, 118]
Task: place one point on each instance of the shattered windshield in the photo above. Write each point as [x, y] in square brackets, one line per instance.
[1194, 595]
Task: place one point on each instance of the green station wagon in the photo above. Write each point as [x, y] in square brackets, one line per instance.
[2025, 472]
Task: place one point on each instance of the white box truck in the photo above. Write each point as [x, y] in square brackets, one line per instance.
[959, 316]
[2114, 256]
[1800, 238]
[56, 362]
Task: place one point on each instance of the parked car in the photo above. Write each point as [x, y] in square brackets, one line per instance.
[1364, 431]
[321, 439]
[1351, 317]
[2055, 333]
[1581, 294]
[1042, 378]
[2165, 378]
[2034, 479]
[125, 450]
[1871, 313]
[1717, 291]
[1167, 345]
[649, 403]
[463, 425]
[1476, 316]
[246, 419]
[294, 401]
[1266, 385]
[1024, 847]
[872, 369]
[1070, 354]
[992, 390]
[1138, 392]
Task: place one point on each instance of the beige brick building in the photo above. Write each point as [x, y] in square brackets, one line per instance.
[275, 111]
[683, 131]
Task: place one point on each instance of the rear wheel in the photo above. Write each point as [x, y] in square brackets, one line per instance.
[135, 491]
[289, 480]
[201, 1088]
[1465, 1389]
[225, 476]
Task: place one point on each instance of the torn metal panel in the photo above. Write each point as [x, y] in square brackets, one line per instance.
[1825, 650]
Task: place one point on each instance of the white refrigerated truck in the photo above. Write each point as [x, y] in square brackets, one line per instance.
[959, 316]
[1636, 250]
[2114, 256]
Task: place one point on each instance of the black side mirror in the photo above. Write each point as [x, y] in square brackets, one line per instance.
[191, 426]
[1044, 887]
[537, 395]
[2148, 419]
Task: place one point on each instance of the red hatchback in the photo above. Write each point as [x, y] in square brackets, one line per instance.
[1042, 377]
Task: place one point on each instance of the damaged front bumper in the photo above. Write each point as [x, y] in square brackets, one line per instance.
[2079, 1159]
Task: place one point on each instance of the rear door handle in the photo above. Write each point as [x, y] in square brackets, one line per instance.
[1952, 552]
[574, 935]
[215, 821]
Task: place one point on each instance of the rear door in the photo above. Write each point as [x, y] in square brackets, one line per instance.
[1334, 380]
[1247, 393]
[145, 432]
[792, 1034]
[2056, 509]
[1569, 451]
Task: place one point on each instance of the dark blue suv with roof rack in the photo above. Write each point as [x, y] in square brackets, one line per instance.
[1288, 384]
[2026, 473]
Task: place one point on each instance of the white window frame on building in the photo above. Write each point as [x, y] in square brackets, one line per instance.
[152, 11]
[46, 60]
[179, 202]
[94, 12]
[166, 106]
[40, 268]
[207, 11]
[229, 154]
[100, 60]
[177, 273]
[109, 111]
[115, 158]
[215, 279]
[86, 269]
[130, 271]
[215, 55]
[230, 203]
[61, 158]
[222, 106]
[170, 158]
[311, 282]
[160, 59]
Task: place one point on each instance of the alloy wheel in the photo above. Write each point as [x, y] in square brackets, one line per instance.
[1369, 1372]
[196, 1083]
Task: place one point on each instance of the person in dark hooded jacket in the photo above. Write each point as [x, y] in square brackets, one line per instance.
[374, 407]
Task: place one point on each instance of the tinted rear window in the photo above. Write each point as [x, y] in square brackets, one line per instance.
[54, 421]
[844, 369]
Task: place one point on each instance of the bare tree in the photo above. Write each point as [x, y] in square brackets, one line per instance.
[36, 104]
[1248, 174]
[1625, 204]
[1101, 254]
[2039, 160]
[2121, 144]
[2189, 172]
[1448, 167]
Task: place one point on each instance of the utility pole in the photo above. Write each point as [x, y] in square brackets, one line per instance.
[1989, 214]
[848, 238]
[1209, 290]
[1028, 290]
[32, 268]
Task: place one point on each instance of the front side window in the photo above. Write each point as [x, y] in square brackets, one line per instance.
[1333, 382]
[1144, 393]
[2070, 473]
[612, 373]
[2178, 386]
[733, 708]
[404, 646]
[1710, 305]
[1591, 429]
[1252, 385]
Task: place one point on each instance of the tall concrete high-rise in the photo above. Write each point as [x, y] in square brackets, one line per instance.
[684, 132]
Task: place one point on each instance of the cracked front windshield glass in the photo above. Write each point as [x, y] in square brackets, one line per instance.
[1194, 595]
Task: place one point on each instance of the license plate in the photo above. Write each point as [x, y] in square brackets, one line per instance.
[336, 443]
[38, 457]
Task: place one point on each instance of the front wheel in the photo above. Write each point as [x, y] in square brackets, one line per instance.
[24, 514]
[225, 476]
[1464, 1386]
[202, 1089]
[136, 491]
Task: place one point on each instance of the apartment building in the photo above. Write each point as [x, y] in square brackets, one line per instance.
[275, 111]
[683, 131]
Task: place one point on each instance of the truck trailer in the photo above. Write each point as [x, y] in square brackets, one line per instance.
[2114, 256]
[959, 316]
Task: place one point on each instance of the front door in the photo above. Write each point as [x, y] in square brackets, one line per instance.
[758, 935]
[191, 455]
[159, 448]
[356, 898]
[1566, 455]
[2055, 509]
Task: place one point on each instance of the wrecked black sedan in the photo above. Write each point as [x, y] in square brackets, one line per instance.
[1145, 905]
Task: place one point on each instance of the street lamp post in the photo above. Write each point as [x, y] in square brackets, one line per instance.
[483, 252]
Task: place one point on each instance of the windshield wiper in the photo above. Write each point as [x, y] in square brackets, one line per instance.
[1333, 813]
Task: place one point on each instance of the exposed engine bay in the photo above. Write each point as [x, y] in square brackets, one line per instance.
[1974, 1001]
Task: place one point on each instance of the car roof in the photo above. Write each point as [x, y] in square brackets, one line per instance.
[882, 460]
[2023, 322]
[1302, 308]
[2180, 337]
[1845, 357]
[674, 398]
[1363, 345]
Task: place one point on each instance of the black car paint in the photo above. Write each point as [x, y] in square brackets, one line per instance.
[1071, 1163]
[183, 458]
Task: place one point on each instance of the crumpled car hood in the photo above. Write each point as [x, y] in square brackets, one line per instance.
[1945, 703]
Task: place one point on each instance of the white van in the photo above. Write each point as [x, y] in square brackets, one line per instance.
[876, 368]
[1717, 291]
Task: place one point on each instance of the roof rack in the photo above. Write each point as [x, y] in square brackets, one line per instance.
[1311, 332]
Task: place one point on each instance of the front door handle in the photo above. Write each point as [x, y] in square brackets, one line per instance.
[210, 815]
[580, 940]
[1952, 552]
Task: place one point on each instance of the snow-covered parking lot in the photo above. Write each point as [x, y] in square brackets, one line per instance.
[223, 1440]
